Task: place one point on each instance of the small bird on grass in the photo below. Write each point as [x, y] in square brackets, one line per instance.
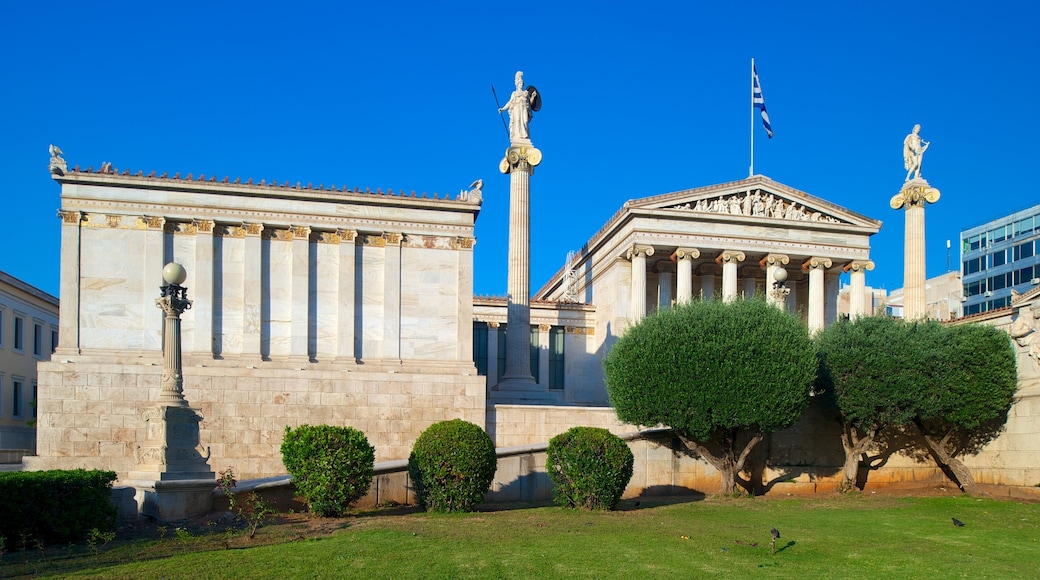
[957, 522]
[776, 533]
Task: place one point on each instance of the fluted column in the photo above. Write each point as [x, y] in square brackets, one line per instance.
[251, 289]
[914, 195]
[729, 260]
[664, 284]
[346, 296]
[637, 254]
[684, 258]
[519, 163]
[301, 293]
[68, 314]
[858, 287]
[817, 304]
[203, 286]
[772, 263]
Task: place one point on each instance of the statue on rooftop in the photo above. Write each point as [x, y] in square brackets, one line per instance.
[522, 104]
[57, 165]
[913, 153]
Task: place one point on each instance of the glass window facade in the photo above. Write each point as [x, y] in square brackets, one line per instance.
[1000, 256]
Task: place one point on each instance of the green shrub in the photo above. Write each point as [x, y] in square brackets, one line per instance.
[452, 465]
[331, 466]
[590, 467]
[56, 506]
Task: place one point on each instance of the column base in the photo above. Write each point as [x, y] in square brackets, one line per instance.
[169, 501]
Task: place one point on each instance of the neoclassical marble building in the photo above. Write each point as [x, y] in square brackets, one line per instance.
[724, 240]
[311, 305]
[327, 305]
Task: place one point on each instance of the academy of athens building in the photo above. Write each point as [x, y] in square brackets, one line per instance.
[324, 305]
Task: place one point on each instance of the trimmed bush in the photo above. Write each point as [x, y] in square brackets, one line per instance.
[331, 466]
[590, 467]
[57, 506]
[452, 465]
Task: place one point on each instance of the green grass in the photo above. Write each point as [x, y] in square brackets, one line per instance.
[837, 537]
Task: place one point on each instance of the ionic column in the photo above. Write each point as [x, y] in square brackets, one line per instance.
[203, 283]
[637, 254]
[326, 301]
[392, 297]
[858, 288]
[154, 251]
[684, 258]
[772, 263]
[299, 325]
[345, 297]
[817, 306]
[831, 286]
[664, 284]
[914, 195]
[519, 163]
[729, 260]
[251, 289]
[68, 314]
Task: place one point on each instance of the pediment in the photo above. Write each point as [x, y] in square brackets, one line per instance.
[757, 197]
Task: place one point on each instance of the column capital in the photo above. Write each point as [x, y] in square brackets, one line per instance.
[203, 226]
[521, 158]
[70, 217]
[685, 254]
[302, 232]
[392, 238]
[816, 262]
[775, 260]
[914, 193]
[346, 235]
[858, 266]
[252, 229]
[639, 250]
[730, 257]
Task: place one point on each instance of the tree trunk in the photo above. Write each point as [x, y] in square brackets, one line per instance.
[953, 466]
[727, 463]
[854, 447]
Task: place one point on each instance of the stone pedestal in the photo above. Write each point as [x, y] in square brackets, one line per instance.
[172, 478]
[915, 193]
[519, 162]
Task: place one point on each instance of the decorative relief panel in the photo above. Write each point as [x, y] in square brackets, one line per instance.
[203, 226]
[70, 217]
[326, 237]
[150, 222]
[754, 203]
[372, 240]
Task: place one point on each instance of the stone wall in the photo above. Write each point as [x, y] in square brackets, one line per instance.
[91, 414]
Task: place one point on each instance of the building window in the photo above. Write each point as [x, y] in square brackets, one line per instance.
[54, 340]
[1024, 227]
[16, 399]
[501, 350]
[35, 389]
[998, 234]
[536, 353]
[1022, 251]
[556, 357]
[19, 333]
[480, 347]
[1023, 276]
[37, 339]
[998, 258]
[974, 265]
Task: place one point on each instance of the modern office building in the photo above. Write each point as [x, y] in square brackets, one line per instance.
[998, 257]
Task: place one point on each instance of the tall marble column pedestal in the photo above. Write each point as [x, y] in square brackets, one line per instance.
[913, 196]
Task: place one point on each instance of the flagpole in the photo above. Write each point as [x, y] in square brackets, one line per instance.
[751, 170]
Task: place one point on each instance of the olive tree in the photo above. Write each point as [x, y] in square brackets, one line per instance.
[871, 371]
[720, 375]
[972, 378]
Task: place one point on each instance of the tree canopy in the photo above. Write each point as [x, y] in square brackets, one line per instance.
[712, 370]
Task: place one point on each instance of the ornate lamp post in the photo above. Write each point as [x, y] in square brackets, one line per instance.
[780, 290]
[173, 302]
[172, 476]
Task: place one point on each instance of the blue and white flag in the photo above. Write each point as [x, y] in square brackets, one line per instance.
[758, 101]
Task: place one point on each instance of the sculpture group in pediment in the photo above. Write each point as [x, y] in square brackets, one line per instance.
[754, 203]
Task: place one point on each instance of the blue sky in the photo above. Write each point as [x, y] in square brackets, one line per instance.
[639, 99]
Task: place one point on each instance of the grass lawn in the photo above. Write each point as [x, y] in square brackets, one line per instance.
[857, 536]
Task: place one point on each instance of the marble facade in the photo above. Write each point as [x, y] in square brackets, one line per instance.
[722, 241]
[311, 305]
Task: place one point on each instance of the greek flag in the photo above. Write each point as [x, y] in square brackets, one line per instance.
[758, 101]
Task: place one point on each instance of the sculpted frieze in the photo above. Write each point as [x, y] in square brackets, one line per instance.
[754, 203]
